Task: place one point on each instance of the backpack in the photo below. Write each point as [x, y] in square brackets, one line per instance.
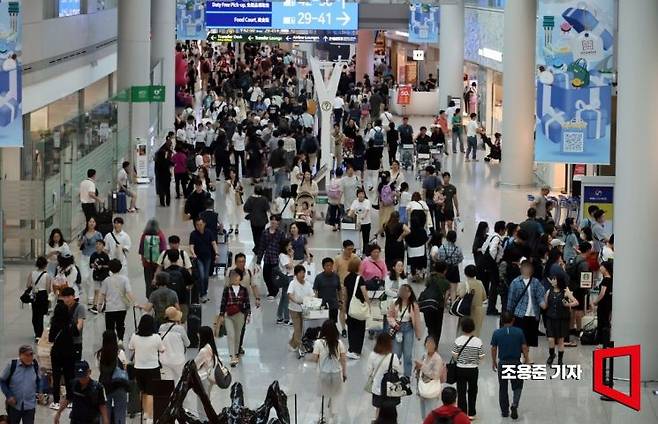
[176, 280]
[12, 370]
[310, 145]
[296, 123]
[191, 163]
[573, 272]
[205, 67]
[387, 196]
[151, 248]
[378, 138]
[330, 364]
[335, 191]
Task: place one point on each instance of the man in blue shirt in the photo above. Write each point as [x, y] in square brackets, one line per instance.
[525, 300]
[20, 382]
[507, 345]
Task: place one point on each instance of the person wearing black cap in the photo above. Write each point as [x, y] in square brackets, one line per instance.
[78, 314]
[87, 399]
[20, 382]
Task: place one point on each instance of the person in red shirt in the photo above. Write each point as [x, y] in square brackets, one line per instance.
[449, 409]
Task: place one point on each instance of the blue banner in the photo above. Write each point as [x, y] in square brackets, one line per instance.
[423, 23]
[11, 91]
[190, 20]
[286, 14]
[575, 53]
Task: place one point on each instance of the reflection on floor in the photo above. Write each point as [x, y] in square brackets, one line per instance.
[267, 357]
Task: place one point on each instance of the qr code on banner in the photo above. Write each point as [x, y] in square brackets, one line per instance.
[573, 142]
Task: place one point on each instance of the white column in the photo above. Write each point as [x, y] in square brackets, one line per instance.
[636, 205]
[163, 45]
[134, 62]
[451, 50]
[518, 92]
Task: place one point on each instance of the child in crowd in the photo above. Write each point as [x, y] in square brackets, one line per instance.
[98, 262]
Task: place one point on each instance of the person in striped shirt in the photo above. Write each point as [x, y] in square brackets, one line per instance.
[467, 352]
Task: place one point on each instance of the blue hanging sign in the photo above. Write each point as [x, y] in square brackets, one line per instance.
[423, 23]
[287, 14]
[11, 72]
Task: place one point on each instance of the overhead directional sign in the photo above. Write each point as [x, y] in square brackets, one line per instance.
[267, 37]
[286, 14]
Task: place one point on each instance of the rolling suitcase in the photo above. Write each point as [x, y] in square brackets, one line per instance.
[122, 204]
[112, 202]
[193, 322]
[104, 221]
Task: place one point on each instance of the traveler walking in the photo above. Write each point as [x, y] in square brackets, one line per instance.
[175, 341]
[378, 364]
[62, 357]
[327, 287]
[405, 325]
[146, 346]
[109, 358]
[329, 353]
[297, 291]
[433, 299]
[116, 294]
[151, 244]
[203, 245]
[448, 412]
[467, 352]
[21, 383]
[89, 195]
[256, 208]
[87, 244]
[206, 360]
[557, 302]
[476, 288]
[430, 372]
[355, 285]
[234, 313]
[269, 247]
[118, 244]
[87, 399]
[39, 284]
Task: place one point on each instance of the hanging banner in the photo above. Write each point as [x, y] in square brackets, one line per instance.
[423, 23]
[11, 92]
[404, 94]
[575, 51]
[191, 20]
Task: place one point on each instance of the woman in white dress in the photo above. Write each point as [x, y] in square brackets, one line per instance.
[234, 192]
[330, 354]
[205, 361]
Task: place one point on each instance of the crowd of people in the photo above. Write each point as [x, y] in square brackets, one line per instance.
[401, 267]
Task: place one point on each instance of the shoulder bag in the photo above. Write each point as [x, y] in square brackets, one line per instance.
[371, 377]
[357, 309]
[222, 375]
[516, 303]
[28, 295]
[461, 307]
[451, 377]
[394, 386]
[428, 388]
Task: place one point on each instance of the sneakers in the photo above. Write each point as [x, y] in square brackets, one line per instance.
[288, 323]
[93, 310]
[280, 322]
[54, 406]
[353, 355]
[515, 413]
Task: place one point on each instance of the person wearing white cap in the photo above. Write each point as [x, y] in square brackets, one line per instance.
[175, 340]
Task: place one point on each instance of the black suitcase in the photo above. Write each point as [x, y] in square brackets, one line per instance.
[193, 322]
[112, 201]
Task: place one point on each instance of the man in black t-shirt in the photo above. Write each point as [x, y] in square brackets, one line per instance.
[203, 245]
[450, 205]
[327, 288]
[87, 398]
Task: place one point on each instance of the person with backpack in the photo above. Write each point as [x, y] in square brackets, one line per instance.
[330, 354]
[310, 146]
[175, 340]
[21, 382]
[576, 269]
[62, 356]
[182, 282]
[525, 300]
[373, 164]
[109, 359]
[377, 134]
[87, 397]
[492, 254]
[387, 197]
[161, 298]
[448, 413]
[151, 244]
[453, 256]
[184, 259]
[432, 300]
[117, 296]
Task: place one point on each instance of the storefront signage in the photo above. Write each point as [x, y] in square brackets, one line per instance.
[267, 37]
[142, 94]
[419, 54]
[575, 53]
[404, 94]
[601, 196]
[11, 92]
[190, 20]
[423, 23]
[286, 14]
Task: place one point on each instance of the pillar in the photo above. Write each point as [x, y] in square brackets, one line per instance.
[163, 45]
[365, 54]
[451, 50]
[518, 93]
[134, 64]
[636, 205]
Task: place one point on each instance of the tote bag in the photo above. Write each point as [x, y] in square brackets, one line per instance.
[358, 310]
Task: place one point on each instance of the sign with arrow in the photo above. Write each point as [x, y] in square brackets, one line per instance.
[267, 37]
[286, 14]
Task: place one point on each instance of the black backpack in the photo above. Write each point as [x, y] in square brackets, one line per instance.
[310, 145]
[176, 280]
[191, 163]
[12, 370]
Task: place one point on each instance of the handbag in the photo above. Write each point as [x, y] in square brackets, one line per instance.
[357, 309]
[394, 386]
[461, 307]
[430, 389]
[451, 367]
[222, 375]
[28, 296]
[120, 377]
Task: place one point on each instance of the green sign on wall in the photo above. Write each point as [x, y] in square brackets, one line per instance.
[142, 94]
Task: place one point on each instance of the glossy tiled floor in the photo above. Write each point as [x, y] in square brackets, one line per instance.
[267, 357]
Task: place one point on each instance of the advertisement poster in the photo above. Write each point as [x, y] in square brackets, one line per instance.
[69, 8]
[190, 20]
[11, 94]
[423, 23]
[601, 196]
[404, 94]
[575, 43]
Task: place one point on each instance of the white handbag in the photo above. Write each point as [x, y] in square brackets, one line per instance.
[357, 309]
[430, 389]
